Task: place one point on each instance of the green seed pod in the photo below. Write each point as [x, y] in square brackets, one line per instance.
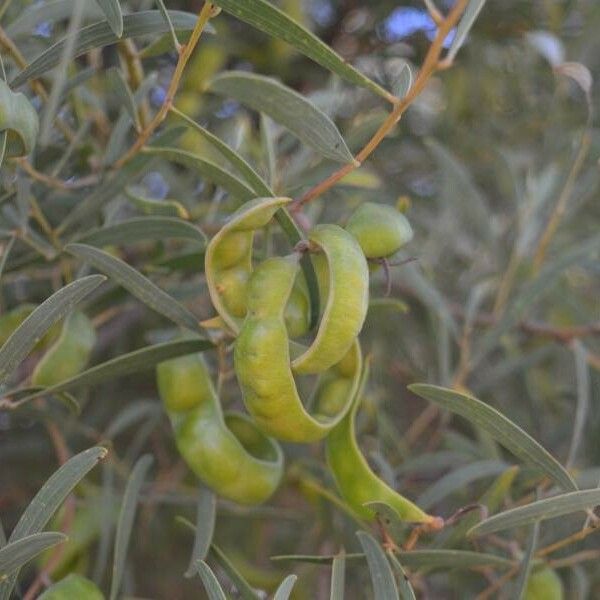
[226, 451]
[354, 478]
[69, 354]
[19, 119]
[228, 258]
[544, 584]
[262, 361]
[379, 229]
[347, 299]
[71, 587]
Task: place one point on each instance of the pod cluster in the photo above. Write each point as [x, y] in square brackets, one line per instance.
[265, 307]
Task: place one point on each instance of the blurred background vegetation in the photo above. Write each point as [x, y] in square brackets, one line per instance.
[478, 163]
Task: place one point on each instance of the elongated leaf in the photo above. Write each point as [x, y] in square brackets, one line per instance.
[266, 17]
[50, 12]
[459, 479]
[31, 330]
[124, 95]
[285, 588]
[207, 169]
[549, 508]
[404, 587]
[143, 229]
[244, 589]
[206, 514]
[126, 364]
[113, 185]
[99, 35]
[165, 13]
[504, 431]
[126, 519]
[47, 501]
[211, 583]
[5, 252]
[135, 283]
[583, 399]
[471, 12]
[338, 575]
[286, 107]
[382, 578]
[157, 207]
[113, 14]
[526, 563]
[15, 554]
[433, 559]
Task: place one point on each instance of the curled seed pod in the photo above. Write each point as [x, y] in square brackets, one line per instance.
[347, 299]
[73, 586]
[226, 451]
[262, 360]
[544, 584]
[354, 478]
[19, 119]
[380, 230]
[297, 310]
[228, 258]
[69, 354]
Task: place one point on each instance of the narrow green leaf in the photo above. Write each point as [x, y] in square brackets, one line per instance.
[165, 14]
[285, 588]
[582, 373]
[135, 283]
[113, 14]
[15, 554]
[504, 431]
[466, 22]
[267, 139]
[403, 81]
[244, 589]
[19, 120]
[126, 519]
[549, 508]
[338, 576]
[31, 330]
[527, 563]
[382, 578]
[131, 414]
[51, 11]
[207, 170]
[47, 501]
[144, 229]
[286, 107]
[270, 19]
[206, 514]
[126, 364]
[404, 586]
[5, 252]
[211, 583]
[414, 559]
[115, 183]
[123, 93]
[100, 34]
[458, 480]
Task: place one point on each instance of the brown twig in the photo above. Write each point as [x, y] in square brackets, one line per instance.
[431, 64]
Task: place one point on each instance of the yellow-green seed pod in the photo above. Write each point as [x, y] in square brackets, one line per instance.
[354, 478]
[226, 451]
[346, 302]
[228, 258]
[69, 354]
[297, 310]
[544, 584]
[381, 230]
[73, 587]
[262, 360]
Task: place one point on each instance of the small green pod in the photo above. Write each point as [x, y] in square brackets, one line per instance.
[69, 354]
[347, 300]
[544, 584]
[228, 258]
[297, 310]
[226, 451]
[381, 230]
[73, 587]
[262, 360]
[354, 478]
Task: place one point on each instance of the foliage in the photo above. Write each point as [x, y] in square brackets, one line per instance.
[131, 131]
